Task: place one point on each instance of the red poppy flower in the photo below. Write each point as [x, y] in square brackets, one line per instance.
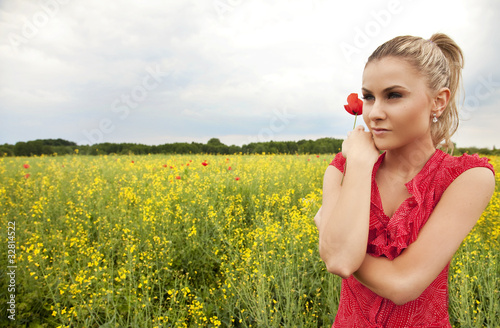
[132, 162]
[164, 165]
[204, 163]
[27, 176]
[355, 107]
[26, 166]
[229, 168]
[178, 177]
[354, 104]
[237, 178]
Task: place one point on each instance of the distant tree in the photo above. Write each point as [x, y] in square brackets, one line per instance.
[213, 146]
[29, 148]
[233, 149]
[214, 142]
[56, 142]
[6, 150]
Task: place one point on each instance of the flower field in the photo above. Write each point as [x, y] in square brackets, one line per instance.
[191, 241]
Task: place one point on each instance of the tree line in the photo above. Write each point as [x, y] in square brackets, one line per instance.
[213, 146]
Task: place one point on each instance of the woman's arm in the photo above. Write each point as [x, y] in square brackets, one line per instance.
[406, 277]
[343, 220]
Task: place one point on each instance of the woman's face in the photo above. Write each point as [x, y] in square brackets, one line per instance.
[397, 103]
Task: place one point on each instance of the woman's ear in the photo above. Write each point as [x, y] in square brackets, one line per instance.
[441, 101]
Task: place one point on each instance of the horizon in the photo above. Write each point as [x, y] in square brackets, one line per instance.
[222, 142]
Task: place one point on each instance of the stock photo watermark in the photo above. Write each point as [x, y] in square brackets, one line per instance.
[11, 270]
[225, 7]
[277, 123]
[485, 88]
[122, 105]
[32, 27]
[371, 29]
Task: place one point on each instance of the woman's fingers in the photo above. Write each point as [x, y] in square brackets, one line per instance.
[357, 128]
[359, 143]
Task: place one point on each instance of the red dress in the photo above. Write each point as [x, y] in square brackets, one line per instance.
[359, 306]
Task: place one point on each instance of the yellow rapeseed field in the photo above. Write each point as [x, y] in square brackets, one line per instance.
[190, 241]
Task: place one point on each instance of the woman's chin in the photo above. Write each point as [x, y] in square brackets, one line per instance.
[382, 145]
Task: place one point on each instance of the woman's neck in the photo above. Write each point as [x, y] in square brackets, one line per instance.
[407, 161]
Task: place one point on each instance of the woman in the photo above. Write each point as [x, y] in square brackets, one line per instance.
[392, 226]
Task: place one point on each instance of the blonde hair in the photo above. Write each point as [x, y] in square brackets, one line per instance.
[440, 60]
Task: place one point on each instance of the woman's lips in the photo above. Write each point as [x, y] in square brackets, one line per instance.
[379, 132]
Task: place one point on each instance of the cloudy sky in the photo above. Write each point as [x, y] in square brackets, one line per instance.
[157, 72]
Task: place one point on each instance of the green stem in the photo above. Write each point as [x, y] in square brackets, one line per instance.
[355, 118]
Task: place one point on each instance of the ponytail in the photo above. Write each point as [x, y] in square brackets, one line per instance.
[448, 121]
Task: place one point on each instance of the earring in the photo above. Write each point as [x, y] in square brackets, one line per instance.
[434, 119]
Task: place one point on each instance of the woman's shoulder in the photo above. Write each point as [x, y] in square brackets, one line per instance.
[451, 167]
[456, 165]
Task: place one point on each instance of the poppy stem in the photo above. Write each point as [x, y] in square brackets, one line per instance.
[355, 118]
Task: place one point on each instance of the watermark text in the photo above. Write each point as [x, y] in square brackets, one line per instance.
[11, 270]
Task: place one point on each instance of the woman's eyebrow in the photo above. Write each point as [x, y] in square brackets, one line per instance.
[388, 89]
[393, 87]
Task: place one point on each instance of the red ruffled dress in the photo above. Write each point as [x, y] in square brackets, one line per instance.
[359, 306]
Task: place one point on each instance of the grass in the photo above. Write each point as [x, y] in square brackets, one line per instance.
[167, 241]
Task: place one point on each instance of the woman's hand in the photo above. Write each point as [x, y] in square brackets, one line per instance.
[359, 146]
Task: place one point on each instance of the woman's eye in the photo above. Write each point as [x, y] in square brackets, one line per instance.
[368, 97]
[394, 95]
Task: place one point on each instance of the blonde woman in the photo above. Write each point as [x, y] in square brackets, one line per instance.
[393, 225]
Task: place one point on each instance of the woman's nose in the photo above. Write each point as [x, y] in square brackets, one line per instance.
[376, 111]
